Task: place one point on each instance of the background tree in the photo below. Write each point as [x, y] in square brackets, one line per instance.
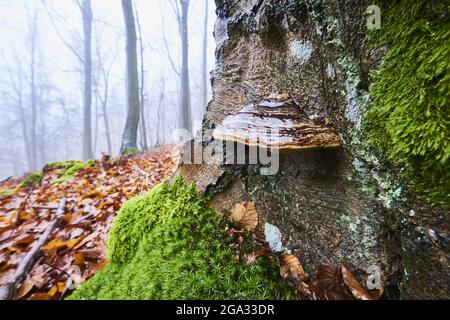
[86, 11]
[185, 97]
[129, 137]
[205, 57]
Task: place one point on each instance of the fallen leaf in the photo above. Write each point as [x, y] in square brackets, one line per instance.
[24, 289]
[327, 284]
[40, 296]
[244, 213]
[358, 291]
[71, 243]
[55, 244]
[53, 290]
[290, 267]
[86, 240]
[61, 286]
[79, 259]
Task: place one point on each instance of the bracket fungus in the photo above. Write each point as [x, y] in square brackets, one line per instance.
[277, 123]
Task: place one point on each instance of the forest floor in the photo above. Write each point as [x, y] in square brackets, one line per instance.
[93, 193]
[77, 247]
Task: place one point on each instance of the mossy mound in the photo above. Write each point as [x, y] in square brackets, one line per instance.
[31, 179]
[409, 120]
[167, 244]
[70, 168]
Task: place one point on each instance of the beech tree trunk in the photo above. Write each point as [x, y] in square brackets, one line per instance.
[143, 123]
[129, 137]
[87, 63]
[33, 133]
[205, 57]
[185, 100]
[329, 205]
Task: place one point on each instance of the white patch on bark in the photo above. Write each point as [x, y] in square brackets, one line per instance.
[353, 111]
[330, 71]
[221, 32]
[273, 237]
[301, 50]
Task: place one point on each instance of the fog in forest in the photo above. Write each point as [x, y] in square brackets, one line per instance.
[46, 89]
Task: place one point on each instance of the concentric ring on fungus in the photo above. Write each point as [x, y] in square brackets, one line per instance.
[277, 122]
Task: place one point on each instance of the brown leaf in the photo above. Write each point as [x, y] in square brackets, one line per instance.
[358, 291]
[290, 267]
[55, 244]
[25, 288]
[79, 259]
[327, 284]
[40, 296]
[245, 214]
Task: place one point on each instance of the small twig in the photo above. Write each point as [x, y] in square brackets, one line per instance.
[45, 207]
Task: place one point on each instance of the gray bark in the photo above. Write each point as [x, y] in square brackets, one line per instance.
[185, 100]
[205, 58]
[33, 140]
[328, 204]
[87, 94]
[129, 137]
[143, 124]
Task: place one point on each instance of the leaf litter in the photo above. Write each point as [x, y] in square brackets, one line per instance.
[76, 249]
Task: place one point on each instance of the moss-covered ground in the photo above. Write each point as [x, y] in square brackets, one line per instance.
[167, 244]
[31, 179]
[409, 121]
[70, 169]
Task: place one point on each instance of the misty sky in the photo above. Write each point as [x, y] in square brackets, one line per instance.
[59, 73]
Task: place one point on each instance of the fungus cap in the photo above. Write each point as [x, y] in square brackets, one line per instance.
[277, 122]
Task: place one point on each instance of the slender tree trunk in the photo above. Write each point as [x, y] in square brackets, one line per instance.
[33, 39]
[129, 136]
[143, 124]
[108, 134]
[95, 136]
[185, 104]
[205, 58]
[23, 120]
[160, 120]
[87, 102]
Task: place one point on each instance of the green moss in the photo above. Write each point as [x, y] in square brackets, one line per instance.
[409, 121]
[31, 179]
[7, 192]
[71, 168]
[167, 244]
[130, 151]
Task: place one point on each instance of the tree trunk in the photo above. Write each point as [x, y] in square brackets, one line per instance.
[143, 124]
[185, 103]
[33, 139]
[23, 121]
[105, 118]
[329, 204]
[129, 137]
[205, 58]
[87, 95]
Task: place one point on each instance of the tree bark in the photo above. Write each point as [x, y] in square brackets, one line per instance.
[129, 137]
[205, 58]
[143, 124]
[185, 100]
[87, 95]
[33, 39]
[329, 205]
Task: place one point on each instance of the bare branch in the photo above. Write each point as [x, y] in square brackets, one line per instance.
[172, 63]
[67, 44]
